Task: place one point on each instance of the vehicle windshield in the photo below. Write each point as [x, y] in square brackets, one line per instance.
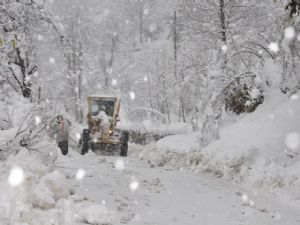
[103, 105]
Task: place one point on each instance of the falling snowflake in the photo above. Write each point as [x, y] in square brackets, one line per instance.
[145, 79]
[103, 202]
[37, 120]
[248, 103]
[76, 89]
[39, 37]
[278, 216]
[294, 97]
[152, 27]
[273, 46]
[114, 82]
[224, 48]
[251, 202]
[119, 164]
[78, 136]
[51, 60]
[80, 174]
[255, 93]
[47, 100]
[109, 70]
[146, 11]
[16, 177]
[134, 185]
[27, 79]
[132, 95]
[245, 198]
[289, 33]
[35, 74]
[106, 12]
[292, 141]
[271, 116]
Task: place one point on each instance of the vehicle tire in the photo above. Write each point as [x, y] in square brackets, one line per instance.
[85, 141]
[124, 143]
[125, 135]
[94, 147]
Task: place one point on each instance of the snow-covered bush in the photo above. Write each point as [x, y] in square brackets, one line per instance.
[25, 124]
[240, 98]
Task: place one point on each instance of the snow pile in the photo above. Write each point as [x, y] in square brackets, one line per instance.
[180, 142]
[261, 150]
[258, 147]
[34, 193]
[150, 126]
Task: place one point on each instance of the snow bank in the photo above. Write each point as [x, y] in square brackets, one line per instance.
[179, 142]
[39, 194]
[261, 150]
[148, 126]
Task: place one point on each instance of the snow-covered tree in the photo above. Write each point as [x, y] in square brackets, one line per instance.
[20, 21]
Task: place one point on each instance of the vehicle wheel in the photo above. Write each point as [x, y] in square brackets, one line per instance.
[125, 135]
[85, 141]
[93, 147]
[124, 143]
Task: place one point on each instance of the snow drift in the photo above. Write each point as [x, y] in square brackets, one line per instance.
[261, 150]
[43, 195]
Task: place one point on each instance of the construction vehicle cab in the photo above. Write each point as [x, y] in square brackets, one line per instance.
[102, 119]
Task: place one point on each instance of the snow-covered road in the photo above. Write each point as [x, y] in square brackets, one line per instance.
[164, 196]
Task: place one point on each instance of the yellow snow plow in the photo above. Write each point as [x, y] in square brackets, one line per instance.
[101, 134]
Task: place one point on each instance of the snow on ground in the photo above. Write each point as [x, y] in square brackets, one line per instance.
[260, 151]
[138, 194]
[180, 142]
[34, 193]
[156, 127]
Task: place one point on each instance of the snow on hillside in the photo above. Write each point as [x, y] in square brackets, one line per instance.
[261, 150]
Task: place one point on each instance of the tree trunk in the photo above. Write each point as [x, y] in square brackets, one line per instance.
[223, 35]
[141, 18]
[175, 41]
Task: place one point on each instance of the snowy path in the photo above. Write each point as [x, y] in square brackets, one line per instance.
[168, 197]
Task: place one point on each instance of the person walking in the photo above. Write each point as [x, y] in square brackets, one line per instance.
[61, 132]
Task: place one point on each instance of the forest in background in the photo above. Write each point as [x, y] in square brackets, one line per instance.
[198, 62]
